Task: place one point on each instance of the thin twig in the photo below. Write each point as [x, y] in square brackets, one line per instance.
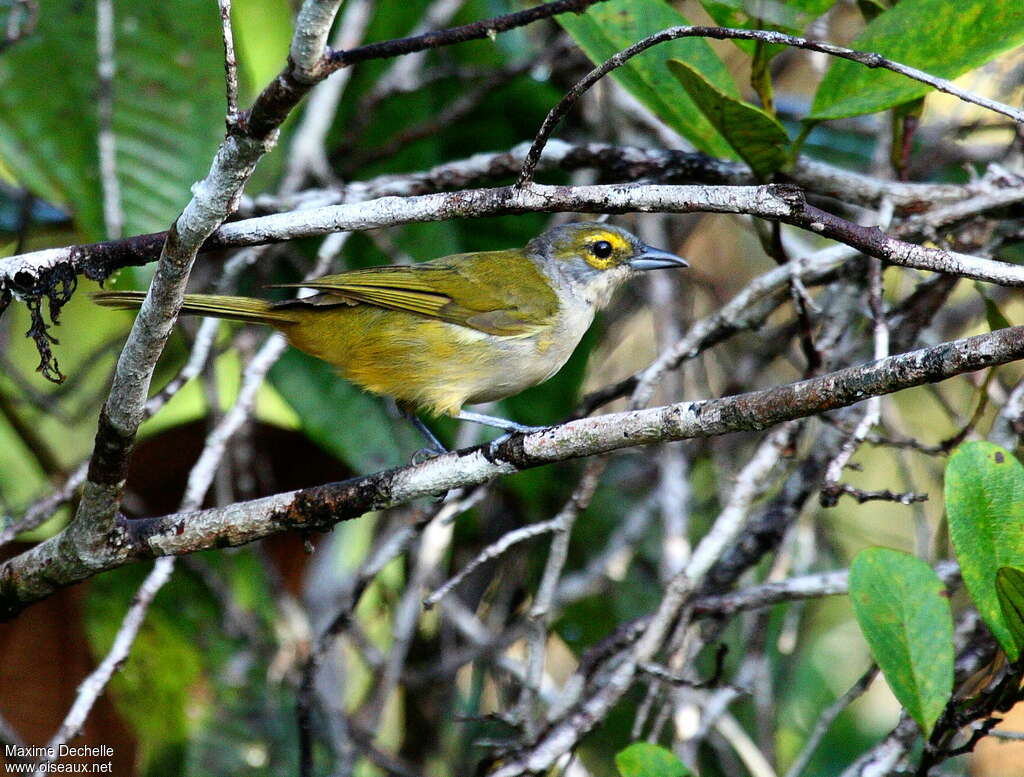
[230, 65]
[93, 686]
[542, 610]
[307, 154]
[486, 28]
[321, 211]
[494, 550]
[831, 488]
[827, 717]
[867, 59]
[563, 734]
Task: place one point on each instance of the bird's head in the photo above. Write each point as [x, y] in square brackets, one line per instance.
[591, 260]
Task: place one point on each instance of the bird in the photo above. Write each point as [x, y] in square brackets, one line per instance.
[454, 331]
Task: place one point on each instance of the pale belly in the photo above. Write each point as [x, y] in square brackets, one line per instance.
[528, 361]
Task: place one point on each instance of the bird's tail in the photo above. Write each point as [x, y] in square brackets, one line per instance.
[252, 311]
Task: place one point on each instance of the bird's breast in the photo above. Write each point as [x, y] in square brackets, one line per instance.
[528, 361]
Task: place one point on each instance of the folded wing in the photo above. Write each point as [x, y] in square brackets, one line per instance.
[471, 290]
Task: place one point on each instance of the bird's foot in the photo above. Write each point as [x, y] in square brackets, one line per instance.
[434, 447]
[509, 427]
[426, 454]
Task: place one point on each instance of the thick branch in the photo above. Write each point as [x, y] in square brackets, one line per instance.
[94, 528]
[27, 273]
[775, 201]
[57, 562]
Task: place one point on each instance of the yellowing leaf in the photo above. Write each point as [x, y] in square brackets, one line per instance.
[941, 37]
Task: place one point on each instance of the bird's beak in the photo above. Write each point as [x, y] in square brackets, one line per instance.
[656, 259]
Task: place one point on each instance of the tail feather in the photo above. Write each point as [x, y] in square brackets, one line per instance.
[253, 311]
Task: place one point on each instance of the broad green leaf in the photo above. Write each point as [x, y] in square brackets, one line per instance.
[609, 27]
[338, 416]
[940, 37]
[1010, 590]
[985, 504]
[757, 136]
[903, 610]
[168, 108]
[642, 759]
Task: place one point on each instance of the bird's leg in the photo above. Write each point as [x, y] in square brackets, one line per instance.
[434, 446]
[498, 423]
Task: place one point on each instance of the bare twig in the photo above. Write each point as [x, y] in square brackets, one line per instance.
[541, 612]
[831, 489]
[494, 550]
[308, 155]
[561, 736]
[25, 272]
[884, 495]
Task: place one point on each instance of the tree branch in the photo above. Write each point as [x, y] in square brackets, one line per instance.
[28, 274]
[486, 28]
[59, 562]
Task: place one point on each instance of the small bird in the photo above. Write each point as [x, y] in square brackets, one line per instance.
[453, 331]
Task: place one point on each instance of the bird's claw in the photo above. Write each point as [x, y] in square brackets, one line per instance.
[425, 454]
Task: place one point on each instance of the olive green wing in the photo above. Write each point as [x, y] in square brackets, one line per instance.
[499, 292]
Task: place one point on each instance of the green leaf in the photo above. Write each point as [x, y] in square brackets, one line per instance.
[338, 416]
[942, 38]
[790, 16]
[903, 610]
[985, 504]
[787, 15]
[869, 9]
[168, 109]
[1010, 590]
[641, 759]
[758, 137]
[612, 26]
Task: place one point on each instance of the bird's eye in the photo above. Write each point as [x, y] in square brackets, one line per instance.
[602, 249]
